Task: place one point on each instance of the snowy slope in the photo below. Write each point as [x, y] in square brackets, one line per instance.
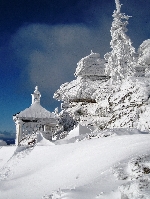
[6, 152]
[80, 170]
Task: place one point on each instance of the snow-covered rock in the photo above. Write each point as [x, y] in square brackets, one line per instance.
[90, 74]
[120, 105]
[78, 90]
[144, 58]
[80, 95]
[113, 93]
[91, 65]
[144, 53]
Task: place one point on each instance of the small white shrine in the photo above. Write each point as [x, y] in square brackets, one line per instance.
[34, 119]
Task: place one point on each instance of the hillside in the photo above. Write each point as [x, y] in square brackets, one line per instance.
[104, 167]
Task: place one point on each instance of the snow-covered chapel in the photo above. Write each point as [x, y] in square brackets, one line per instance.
[33, 119]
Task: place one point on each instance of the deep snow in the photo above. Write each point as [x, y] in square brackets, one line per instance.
[79, 170]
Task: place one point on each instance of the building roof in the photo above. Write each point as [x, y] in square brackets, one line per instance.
[35, 111]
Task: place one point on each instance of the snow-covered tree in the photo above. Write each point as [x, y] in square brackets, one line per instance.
[121, 60]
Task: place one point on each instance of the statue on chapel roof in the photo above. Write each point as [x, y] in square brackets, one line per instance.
[36, 96]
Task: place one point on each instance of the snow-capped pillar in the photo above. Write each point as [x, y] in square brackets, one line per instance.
[19, 124]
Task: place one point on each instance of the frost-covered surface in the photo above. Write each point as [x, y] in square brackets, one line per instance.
[144, 56]
[90, 74]
[33, 139]
[91, 65]
[119, 64]
[41, 141]
[137, 175]
[121, 60]
[35, 111]
[120, 105]
[129, 104]
[144, 53]
[81, 88]
[103, 168]
[29, 139]
[122, 97]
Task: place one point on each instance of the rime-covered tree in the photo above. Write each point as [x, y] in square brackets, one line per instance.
[120, 61]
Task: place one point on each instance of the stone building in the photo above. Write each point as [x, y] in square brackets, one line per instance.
[33, 119]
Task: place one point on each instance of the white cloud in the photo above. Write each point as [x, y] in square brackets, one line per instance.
[48, 54]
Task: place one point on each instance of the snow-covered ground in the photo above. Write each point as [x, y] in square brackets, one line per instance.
[113, 167]
[6, 152]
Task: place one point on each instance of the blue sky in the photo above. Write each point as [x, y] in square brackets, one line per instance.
[41, 42]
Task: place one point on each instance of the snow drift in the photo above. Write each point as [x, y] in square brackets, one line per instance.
[76, 170]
